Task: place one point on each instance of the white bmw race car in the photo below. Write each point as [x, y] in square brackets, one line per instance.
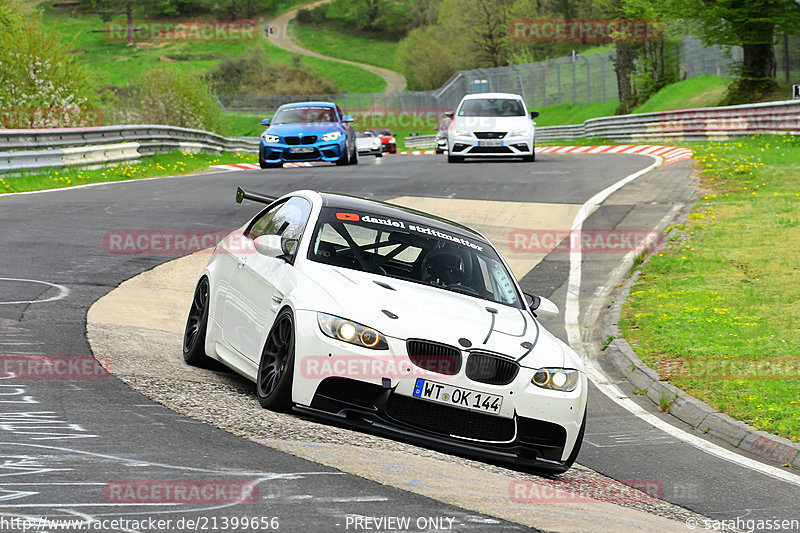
[391, 320]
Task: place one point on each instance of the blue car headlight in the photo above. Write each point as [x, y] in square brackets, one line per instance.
[332, 136]
[352, 332]
[560, 379]
[271, 138]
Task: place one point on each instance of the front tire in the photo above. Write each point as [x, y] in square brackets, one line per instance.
[455, 158]
[276, 368]
[262, 164]
[344, 159]
[194, 336]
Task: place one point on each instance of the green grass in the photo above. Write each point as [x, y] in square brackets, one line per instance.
[699, 91]
[724, 290]
[347, 77]
[171, 164]
[565, 114]
[368, 48]
[117, 64]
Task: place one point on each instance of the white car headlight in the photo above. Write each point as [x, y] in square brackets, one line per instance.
[461, 133]
[352, 332]
[271, 138]
[521, 133]
[560, 379]
[332, 136]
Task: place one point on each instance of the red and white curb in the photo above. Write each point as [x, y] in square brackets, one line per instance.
[671, 154]
[251, 166]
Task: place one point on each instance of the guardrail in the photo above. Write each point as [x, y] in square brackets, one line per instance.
[701, 124]
[55, 148]
[420, 141]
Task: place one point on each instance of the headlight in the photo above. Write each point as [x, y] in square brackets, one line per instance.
[461, 133]
[332, 136]
[521, 133]
[352, 332]
[561, 379]
[271, 138]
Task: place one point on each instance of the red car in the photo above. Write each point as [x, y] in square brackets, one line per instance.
[387, 139]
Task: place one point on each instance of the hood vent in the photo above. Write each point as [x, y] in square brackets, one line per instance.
[384, 285]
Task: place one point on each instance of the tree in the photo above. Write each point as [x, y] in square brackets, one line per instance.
[751, 24]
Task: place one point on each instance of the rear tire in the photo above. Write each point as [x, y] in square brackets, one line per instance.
[276, 368]
[194, 336]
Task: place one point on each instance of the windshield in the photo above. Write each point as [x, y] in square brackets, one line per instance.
[492, 107]
[399, 249]
[363, 134]
[301, 115]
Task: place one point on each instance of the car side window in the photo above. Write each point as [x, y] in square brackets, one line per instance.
[288, 220]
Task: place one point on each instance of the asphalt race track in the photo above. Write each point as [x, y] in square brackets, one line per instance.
[65, 441]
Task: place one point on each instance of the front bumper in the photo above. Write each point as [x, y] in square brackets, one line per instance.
[329, 151]
[534, 428]
[470, 146]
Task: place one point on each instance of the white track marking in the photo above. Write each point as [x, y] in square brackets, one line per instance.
[604, 384]
[63, 292]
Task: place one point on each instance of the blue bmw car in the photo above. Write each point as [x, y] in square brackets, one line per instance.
[308, 131]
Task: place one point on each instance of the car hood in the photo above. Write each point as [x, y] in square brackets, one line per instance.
[491, 123]
[434, 314]
[306, 128]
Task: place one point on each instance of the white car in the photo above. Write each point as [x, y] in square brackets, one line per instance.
[491, 125]
[393, 321]
[368, 143]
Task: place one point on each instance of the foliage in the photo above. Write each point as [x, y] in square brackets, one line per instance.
[253, 73]
[175, 98]
[43, 85]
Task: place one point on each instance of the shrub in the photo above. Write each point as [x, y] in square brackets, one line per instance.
[43, 86]
[175, 98]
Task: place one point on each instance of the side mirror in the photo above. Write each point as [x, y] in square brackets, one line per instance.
[265, 122]
[541, 307]
[534, 114]
[449, 114]
[348, 118]
[269, 245]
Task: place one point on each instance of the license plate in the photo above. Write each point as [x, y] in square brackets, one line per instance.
[302, 149]
[457, 396]
[491, 142]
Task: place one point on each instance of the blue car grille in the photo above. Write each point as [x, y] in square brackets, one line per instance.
[306, 139]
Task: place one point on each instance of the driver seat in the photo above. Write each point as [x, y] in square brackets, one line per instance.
[445, 267]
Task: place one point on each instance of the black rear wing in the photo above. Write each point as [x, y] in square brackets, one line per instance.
[242, 194]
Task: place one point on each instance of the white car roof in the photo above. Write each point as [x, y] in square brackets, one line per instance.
[481, 96]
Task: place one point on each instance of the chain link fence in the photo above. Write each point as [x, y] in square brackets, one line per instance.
[575, 79]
